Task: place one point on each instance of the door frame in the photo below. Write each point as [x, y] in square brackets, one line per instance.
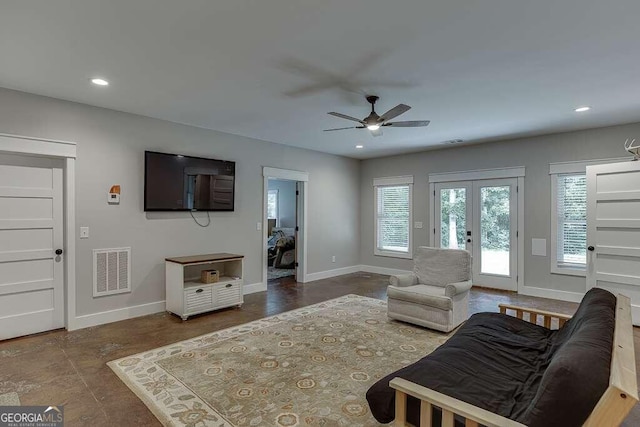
[300, 177]
[477, 175]
[66, 150]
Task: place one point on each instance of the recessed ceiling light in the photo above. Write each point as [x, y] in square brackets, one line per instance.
[359, 146]
[582, 109]
[100, 82]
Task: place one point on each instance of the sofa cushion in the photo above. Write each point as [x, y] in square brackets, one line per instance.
[577, 373]
[432, 296]
[438, 267]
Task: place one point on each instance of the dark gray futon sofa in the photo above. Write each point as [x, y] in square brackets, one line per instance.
[525, 372]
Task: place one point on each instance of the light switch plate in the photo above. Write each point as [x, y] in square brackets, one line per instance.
[258, 226]
[84, 232]
[417, 224]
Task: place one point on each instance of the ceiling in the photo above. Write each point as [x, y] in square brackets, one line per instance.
[481, 70]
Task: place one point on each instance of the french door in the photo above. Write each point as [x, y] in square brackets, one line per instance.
[481, 217]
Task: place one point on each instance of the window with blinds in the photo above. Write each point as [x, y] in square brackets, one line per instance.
[272, 204]
[571, 203]
[393, 216]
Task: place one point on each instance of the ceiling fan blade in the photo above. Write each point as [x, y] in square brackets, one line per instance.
[394, 112]
[409, 124]
[377, 132]
[344, 116]
[350, 127]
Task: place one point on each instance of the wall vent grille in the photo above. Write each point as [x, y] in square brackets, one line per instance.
[111, 271]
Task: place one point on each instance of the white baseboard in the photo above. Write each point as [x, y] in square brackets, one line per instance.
[110, 316]
[253, 288]
[353, 269]
[312, 277]
[551, 293]
[382, 270]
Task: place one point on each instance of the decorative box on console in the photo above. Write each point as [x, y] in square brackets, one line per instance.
[209, 276]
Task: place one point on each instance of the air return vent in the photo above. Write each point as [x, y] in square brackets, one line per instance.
[111, 271]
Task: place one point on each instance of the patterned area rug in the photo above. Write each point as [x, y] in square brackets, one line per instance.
[9, 399]
[307, 367]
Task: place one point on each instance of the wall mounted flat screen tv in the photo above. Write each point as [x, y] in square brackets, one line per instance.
[173, 182]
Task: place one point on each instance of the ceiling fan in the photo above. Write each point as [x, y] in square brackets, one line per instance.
[374, 122]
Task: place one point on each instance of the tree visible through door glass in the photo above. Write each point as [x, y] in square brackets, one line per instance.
[495, 229]
[453, 225]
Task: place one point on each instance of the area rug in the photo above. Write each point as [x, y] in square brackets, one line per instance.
[9, 399]
[307, 367]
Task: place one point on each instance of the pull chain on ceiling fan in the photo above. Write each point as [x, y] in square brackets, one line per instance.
[374, 122]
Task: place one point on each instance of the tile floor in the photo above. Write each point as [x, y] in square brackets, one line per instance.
[69, 368]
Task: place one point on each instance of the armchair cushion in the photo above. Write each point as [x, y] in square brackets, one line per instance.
[401, 280]
[432, 296]
[439, 267]
[453, 289]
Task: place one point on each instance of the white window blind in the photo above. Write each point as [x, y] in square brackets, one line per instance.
[571, 215]
[393, 216]
[272, 205]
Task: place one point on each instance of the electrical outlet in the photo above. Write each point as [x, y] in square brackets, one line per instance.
[333, 258]
[258, 226]
[84, 232]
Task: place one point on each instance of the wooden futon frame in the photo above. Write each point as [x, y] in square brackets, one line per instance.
[610, 411]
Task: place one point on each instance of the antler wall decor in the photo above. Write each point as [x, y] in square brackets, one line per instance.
[631, 149]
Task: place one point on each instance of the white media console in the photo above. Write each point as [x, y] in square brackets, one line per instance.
[187, 295]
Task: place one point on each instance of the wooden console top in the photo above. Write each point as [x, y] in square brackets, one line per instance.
[200, 259]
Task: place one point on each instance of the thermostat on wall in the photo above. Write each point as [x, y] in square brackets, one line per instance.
[113, 197]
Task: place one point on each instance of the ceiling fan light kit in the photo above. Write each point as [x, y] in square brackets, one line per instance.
[373, 122]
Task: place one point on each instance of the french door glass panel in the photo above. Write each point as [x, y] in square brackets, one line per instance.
[495, 230]
[453, 218]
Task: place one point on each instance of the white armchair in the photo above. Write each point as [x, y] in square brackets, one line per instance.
[436, 294]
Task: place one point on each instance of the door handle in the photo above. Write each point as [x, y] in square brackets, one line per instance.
[58, 251]
[468, 240]
[591, 248]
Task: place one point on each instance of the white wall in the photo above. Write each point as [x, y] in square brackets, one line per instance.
[534, 153]
[286, 201]
[110, 151]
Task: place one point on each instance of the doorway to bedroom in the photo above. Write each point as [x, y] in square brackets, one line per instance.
[282, 221]
[284, 231]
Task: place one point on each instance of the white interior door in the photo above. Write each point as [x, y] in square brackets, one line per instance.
[31, 273]
[613, 230]
[481, 217]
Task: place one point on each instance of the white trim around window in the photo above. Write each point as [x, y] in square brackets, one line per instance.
[557, 170]
[398, 181]
[580, 166]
